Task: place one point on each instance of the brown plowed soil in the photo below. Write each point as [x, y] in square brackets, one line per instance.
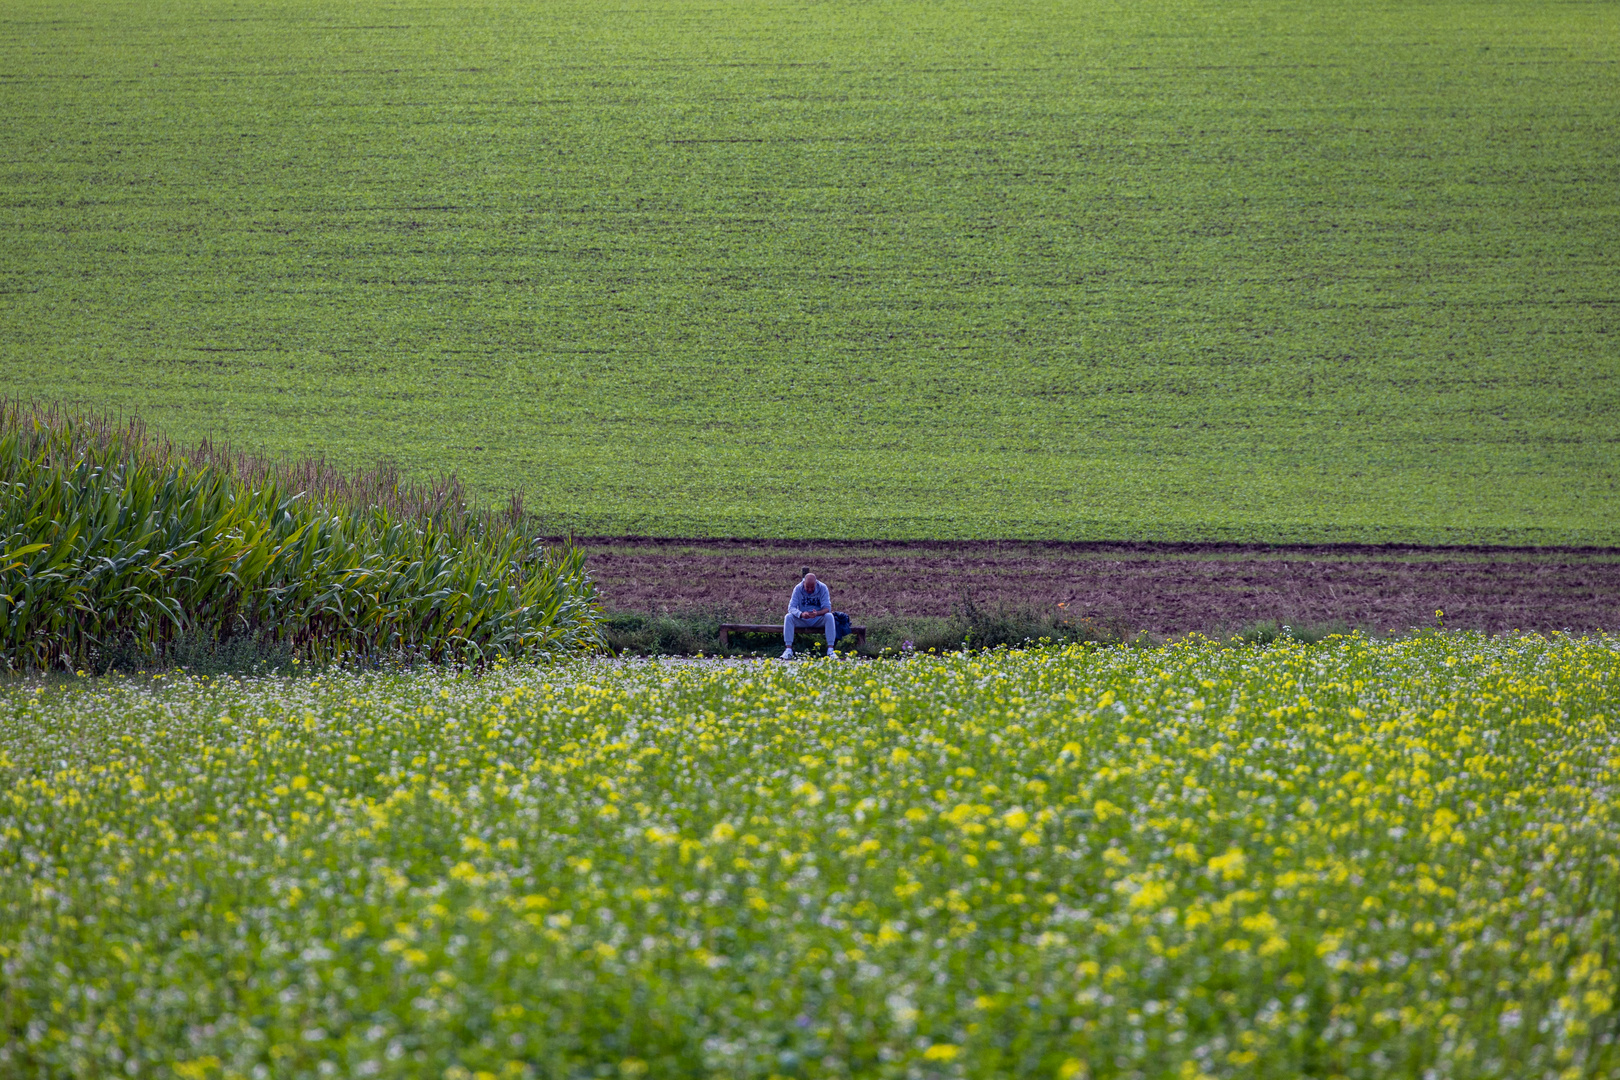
[1158, 588]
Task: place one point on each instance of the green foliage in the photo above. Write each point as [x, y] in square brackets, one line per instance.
[684, 634]
[203, 653]
[1266, 631]
[1362, 859]
[1177, 269]
[970, 626]
[115, 547]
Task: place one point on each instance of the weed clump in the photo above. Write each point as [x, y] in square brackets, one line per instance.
[1269, 631]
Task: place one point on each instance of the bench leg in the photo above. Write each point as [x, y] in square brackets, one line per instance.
[860, 639]
[725, 638]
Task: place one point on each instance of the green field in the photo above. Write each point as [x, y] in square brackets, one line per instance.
[1070, 270]
[1358, 860]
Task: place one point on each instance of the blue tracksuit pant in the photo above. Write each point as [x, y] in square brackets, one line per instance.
[791, 622]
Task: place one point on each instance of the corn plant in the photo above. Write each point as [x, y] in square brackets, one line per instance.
[115, 540]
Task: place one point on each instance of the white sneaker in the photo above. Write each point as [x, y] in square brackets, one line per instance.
[831, 655]
[787, 654]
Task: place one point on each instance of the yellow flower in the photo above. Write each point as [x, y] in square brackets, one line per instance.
[1263, 923]
[1273, 945]
[1230, 865]
[196, 1069]
[1152, 894]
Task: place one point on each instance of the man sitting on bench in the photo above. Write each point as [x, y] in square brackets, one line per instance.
[810, 606]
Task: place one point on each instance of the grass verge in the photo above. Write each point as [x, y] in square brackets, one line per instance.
[967, 628]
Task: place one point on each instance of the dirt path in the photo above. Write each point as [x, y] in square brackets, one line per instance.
[1161, 588]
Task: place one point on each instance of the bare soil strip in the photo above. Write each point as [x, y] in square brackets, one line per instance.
[1158, 588]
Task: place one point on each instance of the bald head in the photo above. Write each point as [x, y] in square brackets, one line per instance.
[810, 583]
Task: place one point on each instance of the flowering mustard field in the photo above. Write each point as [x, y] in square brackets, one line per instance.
[1358, 859]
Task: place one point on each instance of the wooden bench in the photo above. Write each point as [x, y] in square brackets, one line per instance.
[727, 629]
